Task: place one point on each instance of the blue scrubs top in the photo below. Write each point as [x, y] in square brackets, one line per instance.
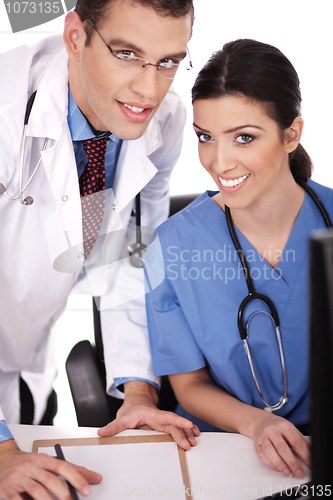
[192, 315]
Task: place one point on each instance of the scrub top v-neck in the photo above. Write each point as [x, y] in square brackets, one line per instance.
[192, 315]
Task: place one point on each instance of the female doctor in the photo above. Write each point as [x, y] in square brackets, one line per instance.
[236, 261]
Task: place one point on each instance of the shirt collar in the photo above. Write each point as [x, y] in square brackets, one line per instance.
[78, 124]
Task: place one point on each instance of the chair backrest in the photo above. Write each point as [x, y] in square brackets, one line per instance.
[179, 202]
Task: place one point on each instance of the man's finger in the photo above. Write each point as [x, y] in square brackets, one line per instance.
[112, 428]
[79, 477]
[164, 418]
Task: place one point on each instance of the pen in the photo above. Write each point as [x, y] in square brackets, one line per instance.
[60, 456]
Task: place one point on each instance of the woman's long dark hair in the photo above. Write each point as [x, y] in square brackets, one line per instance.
[261, 73]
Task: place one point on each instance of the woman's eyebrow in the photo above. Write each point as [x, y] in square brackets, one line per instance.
[241, 127]
[202, 129]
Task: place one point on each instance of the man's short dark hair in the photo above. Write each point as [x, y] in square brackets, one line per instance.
[95, 9]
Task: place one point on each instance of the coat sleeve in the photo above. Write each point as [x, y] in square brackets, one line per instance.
[124, 329]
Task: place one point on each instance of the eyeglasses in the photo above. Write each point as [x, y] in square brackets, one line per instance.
[126, 61]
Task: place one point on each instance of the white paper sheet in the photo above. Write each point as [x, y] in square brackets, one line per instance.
[225, 467]
[139, 470]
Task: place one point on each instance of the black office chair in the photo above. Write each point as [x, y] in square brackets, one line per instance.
[86, 368]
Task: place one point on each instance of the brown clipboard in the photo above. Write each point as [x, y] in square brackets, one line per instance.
[48, 443]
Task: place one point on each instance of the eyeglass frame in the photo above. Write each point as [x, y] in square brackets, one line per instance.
[145, 63]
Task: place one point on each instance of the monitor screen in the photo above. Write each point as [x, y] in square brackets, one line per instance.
[321, 357]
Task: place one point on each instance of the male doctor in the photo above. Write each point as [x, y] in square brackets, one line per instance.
[105, 86]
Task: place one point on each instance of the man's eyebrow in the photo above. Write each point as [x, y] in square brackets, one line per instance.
[121, 42]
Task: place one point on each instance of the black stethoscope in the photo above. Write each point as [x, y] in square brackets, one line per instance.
[252, 295]
[136, 251]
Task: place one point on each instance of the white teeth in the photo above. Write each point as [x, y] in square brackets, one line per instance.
[233, 182]
[134, 108]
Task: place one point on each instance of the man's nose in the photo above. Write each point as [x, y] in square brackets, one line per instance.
[147, 83]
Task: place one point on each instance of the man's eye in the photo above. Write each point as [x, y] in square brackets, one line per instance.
[126, 54]
[169, 63]
[244, 139]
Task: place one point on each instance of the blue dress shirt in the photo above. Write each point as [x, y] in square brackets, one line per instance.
[80, 130]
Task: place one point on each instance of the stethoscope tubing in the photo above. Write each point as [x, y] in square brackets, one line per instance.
[28, 200]
[252, 295]
[282, 401]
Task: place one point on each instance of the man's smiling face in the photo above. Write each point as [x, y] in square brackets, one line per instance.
[112, 99]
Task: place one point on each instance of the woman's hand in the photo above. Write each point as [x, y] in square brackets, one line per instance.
[276, 440]
[139, 411]
[35, 473]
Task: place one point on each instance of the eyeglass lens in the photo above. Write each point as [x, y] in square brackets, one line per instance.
[137, 65]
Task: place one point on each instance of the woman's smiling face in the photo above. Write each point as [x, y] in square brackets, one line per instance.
[241, 147]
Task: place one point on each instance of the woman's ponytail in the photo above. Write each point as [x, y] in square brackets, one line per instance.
[300, 164]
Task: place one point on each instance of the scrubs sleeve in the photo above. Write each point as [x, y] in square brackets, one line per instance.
[173, 346]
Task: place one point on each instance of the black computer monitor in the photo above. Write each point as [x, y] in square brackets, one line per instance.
[321, 357]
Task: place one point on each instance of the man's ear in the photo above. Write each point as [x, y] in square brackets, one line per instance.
[292, 135]
[74, 35]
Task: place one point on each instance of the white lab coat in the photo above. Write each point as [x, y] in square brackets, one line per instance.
[33, 294]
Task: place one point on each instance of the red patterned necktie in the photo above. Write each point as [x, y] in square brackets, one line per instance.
[92, 190]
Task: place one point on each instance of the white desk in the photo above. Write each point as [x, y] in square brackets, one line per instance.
[223, 466]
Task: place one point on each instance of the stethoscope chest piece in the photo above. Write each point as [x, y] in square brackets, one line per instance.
[136, 253]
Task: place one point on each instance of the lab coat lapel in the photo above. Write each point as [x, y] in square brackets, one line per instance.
[60, 167]
[49, 112]
[49, 119]
[135, 169]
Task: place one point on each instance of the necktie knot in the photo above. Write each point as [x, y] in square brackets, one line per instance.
[95, 151]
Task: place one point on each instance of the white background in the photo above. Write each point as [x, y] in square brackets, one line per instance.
[301, 29]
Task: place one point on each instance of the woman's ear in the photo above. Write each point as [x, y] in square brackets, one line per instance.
[74, 35]
[293, 134]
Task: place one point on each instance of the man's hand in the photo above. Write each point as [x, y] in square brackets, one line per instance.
[35, 473]
[139, 411]
[276, 442]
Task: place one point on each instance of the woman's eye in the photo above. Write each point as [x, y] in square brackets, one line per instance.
[244, 139]
[204, 138]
